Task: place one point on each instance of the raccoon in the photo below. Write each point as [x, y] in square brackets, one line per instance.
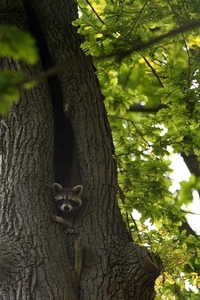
[68, 202]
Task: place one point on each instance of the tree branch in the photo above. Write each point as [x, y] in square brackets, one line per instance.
[121, 54]
[143, 109]
[192, 162]
[185, 226]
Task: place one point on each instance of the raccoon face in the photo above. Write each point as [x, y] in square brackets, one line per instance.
[67, 200]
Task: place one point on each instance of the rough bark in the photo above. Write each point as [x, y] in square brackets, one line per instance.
[32, 266]
[107, 263]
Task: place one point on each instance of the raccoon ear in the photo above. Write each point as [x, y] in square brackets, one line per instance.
[78, 189]
[57, 188]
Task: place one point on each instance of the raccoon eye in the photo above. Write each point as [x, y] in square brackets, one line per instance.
[73, 203]
[59, 202]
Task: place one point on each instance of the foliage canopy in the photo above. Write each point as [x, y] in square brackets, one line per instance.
[152, 99]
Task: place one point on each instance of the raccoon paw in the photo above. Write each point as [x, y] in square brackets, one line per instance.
[65, 225]
[56, 219]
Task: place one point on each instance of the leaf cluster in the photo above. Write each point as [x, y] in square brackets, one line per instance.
[152, 98]
[15, 45]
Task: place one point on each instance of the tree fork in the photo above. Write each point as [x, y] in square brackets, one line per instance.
[110, 241]
[112, 266]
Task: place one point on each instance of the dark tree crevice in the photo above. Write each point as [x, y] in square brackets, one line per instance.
[63, 132]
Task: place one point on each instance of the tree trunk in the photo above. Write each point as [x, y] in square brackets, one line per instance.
[40, 261]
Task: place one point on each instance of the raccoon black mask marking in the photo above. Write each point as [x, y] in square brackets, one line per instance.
[67, 200]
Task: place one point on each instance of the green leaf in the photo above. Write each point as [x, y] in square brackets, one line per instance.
[17, 44]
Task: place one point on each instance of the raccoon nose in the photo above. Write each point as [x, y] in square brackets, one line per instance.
[67, 208]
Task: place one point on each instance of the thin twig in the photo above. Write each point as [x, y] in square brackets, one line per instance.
[95, 12]
[153, 70]
[137, 130]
